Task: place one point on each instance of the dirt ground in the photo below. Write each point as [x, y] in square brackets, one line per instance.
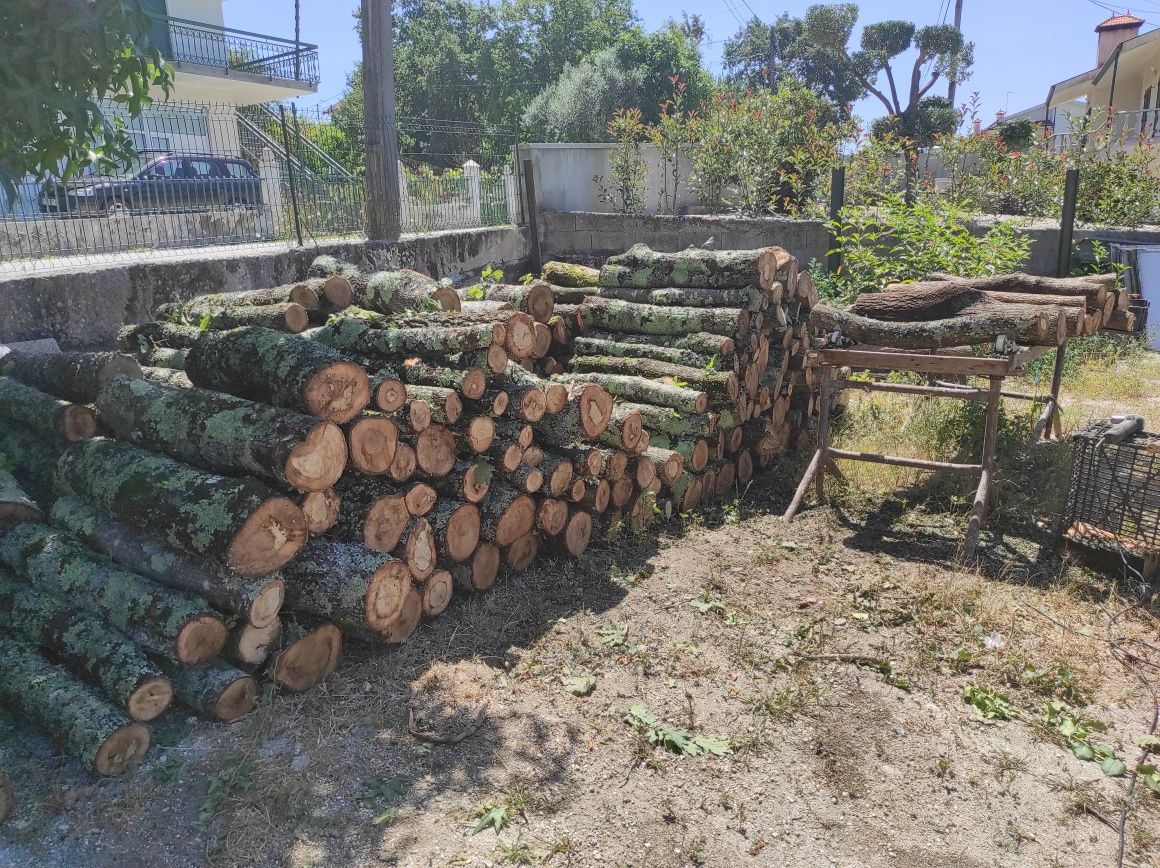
[816, 671]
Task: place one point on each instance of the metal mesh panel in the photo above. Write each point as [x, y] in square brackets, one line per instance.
[1113, 502]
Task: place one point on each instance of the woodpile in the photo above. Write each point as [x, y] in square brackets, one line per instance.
[339, 457]
[948, 311]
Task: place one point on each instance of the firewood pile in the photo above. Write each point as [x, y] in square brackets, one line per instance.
[255, 476]
[947, 311]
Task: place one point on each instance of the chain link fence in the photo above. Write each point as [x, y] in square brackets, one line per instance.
[211, 175]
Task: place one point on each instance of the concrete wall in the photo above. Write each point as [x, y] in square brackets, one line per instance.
[593, 237]
[85, 307]
[1045, 239]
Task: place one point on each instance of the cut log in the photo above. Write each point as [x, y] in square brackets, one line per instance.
[305, 657]
[702, 343]
[686, 492]
[140, 338]
[481, 571]
[373, 440]
[258, 600]
[167, 622]
[507, 454]
[395, 291]
[586, 460]
[643, 391]
[302, 294]
[526, 479]
[750, 299]
[15, 505]
[596, 495]
[86, 645]
[599, 347]
[1093, 286]
[543, 341]
[493, 359]
[374, 511]
[217, 690]
[81, 722]
[587, 414]
[641, 266]
[477, 435]
[434, 450]
[436, 593]
[615, 463]
[522, 553]
[570, 274]
[75, 377]
[320, 508]
[328, 266]
[446, 405]
[469, 480]
[417, 548]
[162, 357]
[533, 456]
[249, 647]
[535, 299]
[624, 429]
[558, 472]
[289, 317]
[166, 377]
[264, 365]
[523, 435]
[408, 620]
[526, 403]
[226, 434]
[934, 334]
[421, 498]
[355, 335]
[621, 491]
[506, 515]
[651, 319]
[644, 471]
[471, 382]
[719, 386]
[456, 527]
[668, 463]
[405, 463]
[551, 516]
[347, 584]
[389, 393]
[236, 522]
[576, 535]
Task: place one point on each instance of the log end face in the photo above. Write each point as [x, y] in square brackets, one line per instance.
[420, 552]
[78, 423]
[338, 393]
[386, 593]
[435, 450]
[296, 318]
[437, 592]
[237, 700]
[578, 533]
[201, 640]
[521, 553]
[385, 522]
[338, 291]
[474, 383]
[595, 405]
[390, 395]
[122, 751]
[372, 444]
[555, 398]
[321, 510]
[477, 482]
[268, 603]
[407, 621]
[271, 536]
[420, 498]
[309, 660]
[480, 434]
[462, 534]
[117, 366]
[485, 566]
[150, 699]
[317, 462]
[518, 519]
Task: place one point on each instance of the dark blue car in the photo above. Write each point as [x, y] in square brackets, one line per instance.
[159, 182]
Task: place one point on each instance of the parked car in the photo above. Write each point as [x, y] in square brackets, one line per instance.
[159, 182]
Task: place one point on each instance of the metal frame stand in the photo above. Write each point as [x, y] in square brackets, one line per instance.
[995, 370]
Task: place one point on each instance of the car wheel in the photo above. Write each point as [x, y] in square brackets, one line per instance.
[117, 208]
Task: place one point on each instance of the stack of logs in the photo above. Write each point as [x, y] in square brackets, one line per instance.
[282, 467]
[948, 311]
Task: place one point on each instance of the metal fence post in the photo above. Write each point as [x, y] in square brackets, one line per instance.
[533, 217]
[1067, 222]
[290, 174]
[837, 199]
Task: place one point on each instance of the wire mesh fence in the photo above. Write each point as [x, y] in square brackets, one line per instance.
[210, 175]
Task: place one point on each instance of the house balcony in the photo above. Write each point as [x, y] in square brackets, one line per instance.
[1128, 130]
[220, 64]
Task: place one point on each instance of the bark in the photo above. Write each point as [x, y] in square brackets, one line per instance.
[669, 464]
[643, 391]
[31, 461]
[417, 547]
[166, 622]
[493, 359]
[248, 646]
[570, 274]
[535, 299]
[75, 377]
[649, 319]
[264, 365]
[599, 347]
[396, 291]
[694, 451]
[216, 690]
[472, 382]
[305, 656]
[219, 432]
[506, 515]
[345, 583]
[624, 430]
[955, 332]
[373, 511]
[694, 267]
[238, 523]
[468, 480]
[373, 440]
[171, 377]
[686, 492]
[289, 317]
[350, 334]
[521, 553]
[140, 338]
[479, 573]
[328, 266]
[456, 527]
[82, 723]
[320, 508]
[526, 479]
[86, 645]
[702, 343]
[437, 593]
[15, 505]
[750, 299]
[162, 357]
[720, 386]
[446, 405]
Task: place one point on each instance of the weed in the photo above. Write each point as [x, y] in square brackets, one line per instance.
[237, 778]
[518, 853]
[1056, 680]
[493, 815]
[706, 604]
[782, 704]
[695, 851]
[1077, 732]
[613, 635]
[172, 771]
[379, 793]
[673, 738]
[992, 704]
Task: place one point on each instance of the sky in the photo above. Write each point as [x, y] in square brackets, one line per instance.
[1022, 47]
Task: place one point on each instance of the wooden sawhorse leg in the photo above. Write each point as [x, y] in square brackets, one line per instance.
[986, 474]
[816, 472]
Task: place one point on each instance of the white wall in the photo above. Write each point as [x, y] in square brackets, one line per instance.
[205, 11]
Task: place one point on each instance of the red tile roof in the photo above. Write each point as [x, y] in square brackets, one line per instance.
[1118, 21]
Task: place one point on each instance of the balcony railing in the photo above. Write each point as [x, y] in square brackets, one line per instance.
[224, 48]
[1129, 129]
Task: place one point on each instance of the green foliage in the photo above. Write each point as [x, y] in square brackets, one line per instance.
[1077, 733]
[990, 703]
[625, 190]
[766, 151]
[875, 169]
[613, 635]
[493, 815]
[673, 738]
[236, 778]
[62, 58]
[1018, 135]
[379, 795]
[898, 243]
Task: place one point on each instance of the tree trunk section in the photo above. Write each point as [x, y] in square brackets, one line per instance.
[747, 298]
[643, 391]
[417, 548]
[934, 334]
[456, 527]
[15, 505]
[480, 572]
[373, 440]
[436, 593]
[305, 657]
[703, 344]
[216, 691]
[249, 647]
[521, 553]
[570, 275]
[720, 387]
[649, 319]
[77, 377]
[134, 339]
[506, 515]
[671, 355]
[695, 267]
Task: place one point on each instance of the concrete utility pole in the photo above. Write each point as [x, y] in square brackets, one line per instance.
[959, 27]
[382, 145]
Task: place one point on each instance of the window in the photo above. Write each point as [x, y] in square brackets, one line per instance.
[200, 169]
[236, 169]
[1144, 113]
[166, 169]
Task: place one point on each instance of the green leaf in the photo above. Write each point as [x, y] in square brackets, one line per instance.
[475, 293]
[387, 816]
[713, 745]
[1148, 742]
[579, 685]
[1113, 767]
[496, 817]
[1083, 751]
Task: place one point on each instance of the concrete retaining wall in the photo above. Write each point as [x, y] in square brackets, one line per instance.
[85, 307]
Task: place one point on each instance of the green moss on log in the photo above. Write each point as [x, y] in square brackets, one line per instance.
[721, 387]
[643, 391]
[651, 319]
[570, 274]
[15, 505]
[30, 459]
[695, 267]
[135, 339]
[586, 346]
[75, 377]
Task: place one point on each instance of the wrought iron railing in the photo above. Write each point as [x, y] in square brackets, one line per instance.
[224, 48]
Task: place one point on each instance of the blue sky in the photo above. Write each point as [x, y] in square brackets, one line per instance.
[1021, 46]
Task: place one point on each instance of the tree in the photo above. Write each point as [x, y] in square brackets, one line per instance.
[941, 51]
[752, 60]
[638, 71]
[61, 59]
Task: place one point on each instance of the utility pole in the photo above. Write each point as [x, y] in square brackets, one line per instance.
[382, 146]
[772, 58]
[954, 70]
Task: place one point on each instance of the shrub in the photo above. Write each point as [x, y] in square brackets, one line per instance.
[894, 243]
[625, 191]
